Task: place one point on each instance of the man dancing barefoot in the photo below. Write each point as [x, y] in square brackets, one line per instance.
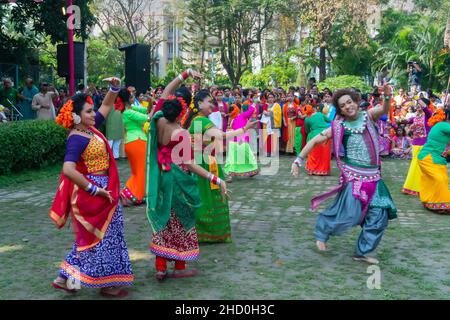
[362, 196]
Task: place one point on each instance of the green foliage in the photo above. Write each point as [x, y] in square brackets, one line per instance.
[345, 81]
[172, 72]
[103, 61]
[405, 37]
[354, 60]
[46, 18]
[281, 72]
[30, 144]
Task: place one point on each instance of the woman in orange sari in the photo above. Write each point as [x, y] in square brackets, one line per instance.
[319, 160]
[89, 192]
[289, 122]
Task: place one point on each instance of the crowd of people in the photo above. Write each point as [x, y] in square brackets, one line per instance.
[171, 134]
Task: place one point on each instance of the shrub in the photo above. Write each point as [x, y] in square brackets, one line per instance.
[346, 81]
[30, 144]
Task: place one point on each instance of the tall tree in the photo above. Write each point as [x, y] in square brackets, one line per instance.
[129, 21]
[239, 24]
[322, 17]
[25, 26]
[197, 19]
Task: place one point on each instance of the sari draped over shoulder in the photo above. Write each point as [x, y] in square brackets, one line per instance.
[168, 185]
[91, 214]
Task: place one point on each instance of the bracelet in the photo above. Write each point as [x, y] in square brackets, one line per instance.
[92, 189]
[299, 161]
[114, 89]
[214, 179]
[183, 76]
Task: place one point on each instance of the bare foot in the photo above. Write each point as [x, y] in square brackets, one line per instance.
[321, 246]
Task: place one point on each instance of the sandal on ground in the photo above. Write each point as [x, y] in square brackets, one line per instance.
[183, 273]
[366, 259]
[62, 286]
[161, 275]
[122, 293]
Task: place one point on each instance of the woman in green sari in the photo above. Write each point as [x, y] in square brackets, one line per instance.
[172, 193]
[213, 217]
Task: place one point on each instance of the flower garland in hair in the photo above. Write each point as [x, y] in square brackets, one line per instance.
[438, 116]
[65, 116]
[183, 105]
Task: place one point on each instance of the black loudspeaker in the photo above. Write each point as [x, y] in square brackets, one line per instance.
[62, 56]
[137, 66]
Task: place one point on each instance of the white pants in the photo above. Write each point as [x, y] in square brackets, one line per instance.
[115, 146]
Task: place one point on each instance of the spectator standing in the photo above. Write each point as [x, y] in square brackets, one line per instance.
[28, 93]
[43, 103]
[9, 96]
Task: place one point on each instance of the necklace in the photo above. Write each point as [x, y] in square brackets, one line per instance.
[358, 125]
[85, 131]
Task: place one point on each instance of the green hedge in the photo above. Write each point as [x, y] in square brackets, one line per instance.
[30, 144]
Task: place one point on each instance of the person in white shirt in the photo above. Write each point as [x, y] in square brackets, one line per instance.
[43, 103]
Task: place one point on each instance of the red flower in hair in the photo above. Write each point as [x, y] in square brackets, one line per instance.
[183, 105]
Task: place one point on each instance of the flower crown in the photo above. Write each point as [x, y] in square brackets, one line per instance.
[183, 104]
[67, 117]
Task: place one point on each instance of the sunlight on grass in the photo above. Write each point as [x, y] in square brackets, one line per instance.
[9, 248]
[136, 255]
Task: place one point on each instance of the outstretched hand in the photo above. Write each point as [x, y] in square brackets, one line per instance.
[251, 124]
[195, 74]
[387, 90]
[113, 81]
[104, 193]
[224, 191]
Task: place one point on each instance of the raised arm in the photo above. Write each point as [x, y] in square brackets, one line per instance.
[110, 98]
[219, 134]
[175, 83]
[377, 112]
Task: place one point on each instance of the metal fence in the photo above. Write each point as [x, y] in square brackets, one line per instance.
[18, 73]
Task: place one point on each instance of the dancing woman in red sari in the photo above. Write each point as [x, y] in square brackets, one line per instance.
[89, 192]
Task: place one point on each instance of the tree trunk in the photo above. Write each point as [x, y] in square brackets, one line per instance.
[322, 64]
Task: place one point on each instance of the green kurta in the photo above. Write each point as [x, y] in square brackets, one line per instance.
[315, 124]
[114, 125]
[437, 141]
[213, 217]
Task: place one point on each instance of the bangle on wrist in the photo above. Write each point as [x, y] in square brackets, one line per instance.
[114, 89]
[183, 76]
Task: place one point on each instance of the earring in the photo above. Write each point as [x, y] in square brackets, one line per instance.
[76, 118]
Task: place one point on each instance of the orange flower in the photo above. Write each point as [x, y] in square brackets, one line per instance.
[65, 117]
